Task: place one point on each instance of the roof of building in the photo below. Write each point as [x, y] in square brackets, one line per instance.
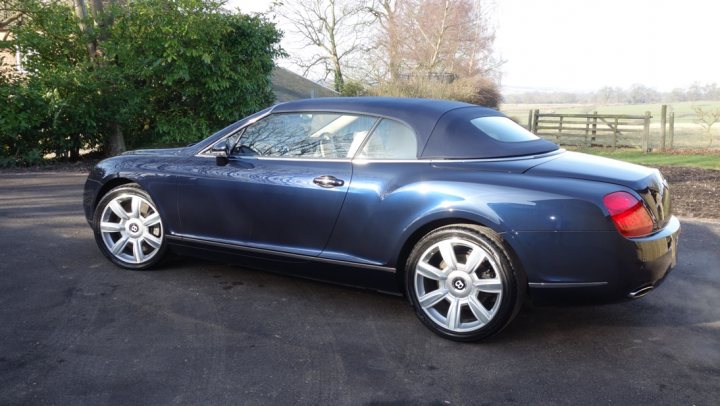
[290, 86]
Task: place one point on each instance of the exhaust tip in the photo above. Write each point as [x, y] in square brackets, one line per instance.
[638, 293]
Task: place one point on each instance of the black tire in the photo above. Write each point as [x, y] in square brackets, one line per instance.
[142, 229]
[447, 290]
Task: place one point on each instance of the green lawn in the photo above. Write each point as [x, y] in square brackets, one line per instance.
[707, 161]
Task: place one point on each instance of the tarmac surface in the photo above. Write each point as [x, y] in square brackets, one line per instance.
[74, 329]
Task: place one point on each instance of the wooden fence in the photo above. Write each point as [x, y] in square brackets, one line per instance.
[593, 129]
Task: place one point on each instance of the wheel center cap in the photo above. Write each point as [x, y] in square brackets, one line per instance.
[134, 228]
[458, 283]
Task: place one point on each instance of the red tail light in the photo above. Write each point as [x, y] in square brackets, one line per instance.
[630, 216]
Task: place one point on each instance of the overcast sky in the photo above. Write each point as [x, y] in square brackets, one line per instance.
[582, 45]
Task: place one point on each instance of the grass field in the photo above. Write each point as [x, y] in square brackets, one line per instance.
[696, 160]
[688, 132]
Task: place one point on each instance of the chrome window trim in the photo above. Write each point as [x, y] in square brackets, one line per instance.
[280, 158]
[362, 161]
[511, 158]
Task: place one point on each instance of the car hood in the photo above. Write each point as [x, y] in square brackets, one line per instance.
[590, 167]
[158, 151]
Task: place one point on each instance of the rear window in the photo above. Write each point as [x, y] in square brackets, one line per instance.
[503, 129]
[477, 133]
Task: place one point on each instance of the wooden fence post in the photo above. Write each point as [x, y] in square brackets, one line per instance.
[557, 137]
[530, 120]
[671, 129]
[536, 118]
[594, 128]
[615, 134]
[663, 121]
[646, 133]
[587, 130]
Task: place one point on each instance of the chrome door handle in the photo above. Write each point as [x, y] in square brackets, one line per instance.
[328, 181]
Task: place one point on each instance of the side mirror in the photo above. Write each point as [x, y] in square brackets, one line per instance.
[221, 150]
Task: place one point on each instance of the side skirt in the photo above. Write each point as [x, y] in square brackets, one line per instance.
[382, 279]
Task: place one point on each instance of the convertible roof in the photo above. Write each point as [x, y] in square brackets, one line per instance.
[387, 106]
[420, 114]
[438, 136]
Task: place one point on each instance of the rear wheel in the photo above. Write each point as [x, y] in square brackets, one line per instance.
[128, 228]
[462, 283]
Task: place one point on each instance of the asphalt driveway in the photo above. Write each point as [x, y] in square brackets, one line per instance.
[75, 329]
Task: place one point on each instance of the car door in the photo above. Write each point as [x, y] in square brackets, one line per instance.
[385, 197]
[283, 185]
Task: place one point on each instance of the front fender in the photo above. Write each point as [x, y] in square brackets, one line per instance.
[153, 174]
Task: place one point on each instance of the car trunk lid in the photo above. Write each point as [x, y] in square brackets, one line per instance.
[647, 182]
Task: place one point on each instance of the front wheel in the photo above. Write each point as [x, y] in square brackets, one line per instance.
[462, 282]
[128, 228]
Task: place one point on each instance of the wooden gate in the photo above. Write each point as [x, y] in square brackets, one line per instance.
[592, 129]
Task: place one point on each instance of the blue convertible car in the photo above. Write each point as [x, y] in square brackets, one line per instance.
[454, 205]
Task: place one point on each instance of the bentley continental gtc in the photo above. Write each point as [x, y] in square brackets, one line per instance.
[453, 205]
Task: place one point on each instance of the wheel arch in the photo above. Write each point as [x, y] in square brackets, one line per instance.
[105, 188]
[110, 185]
[423, 229]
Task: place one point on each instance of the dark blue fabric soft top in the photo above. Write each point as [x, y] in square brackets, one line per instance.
[443, 127]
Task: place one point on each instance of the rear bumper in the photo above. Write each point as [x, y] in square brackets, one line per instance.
[656, 257]
[596, 266]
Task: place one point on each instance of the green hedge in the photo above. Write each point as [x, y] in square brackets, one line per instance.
[164, 72]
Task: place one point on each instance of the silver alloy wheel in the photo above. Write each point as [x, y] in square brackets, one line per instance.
[131, 229]
[458, 285]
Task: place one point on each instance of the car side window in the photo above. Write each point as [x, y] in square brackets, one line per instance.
[390, 140]
[305, 135]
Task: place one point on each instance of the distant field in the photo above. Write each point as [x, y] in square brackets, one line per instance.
[688, 133]
[697, 160]
[683, 111]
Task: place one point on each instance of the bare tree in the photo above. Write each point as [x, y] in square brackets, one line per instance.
[640, 94]
[332, 29]
[479, 57]
[387, 13]
[707, 118]
[434, 23]
[436, 37]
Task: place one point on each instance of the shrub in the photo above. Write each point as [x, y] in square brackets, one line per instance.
[23, 116]
[198, 70]
[159, 71]
[476, 90]
[353, 88]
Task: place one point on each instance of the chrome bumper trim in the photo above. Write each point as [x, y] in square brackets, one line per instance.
[565, 284]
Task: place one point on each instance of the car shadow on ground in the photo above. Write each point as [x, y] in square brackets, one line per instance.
[679, 301]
